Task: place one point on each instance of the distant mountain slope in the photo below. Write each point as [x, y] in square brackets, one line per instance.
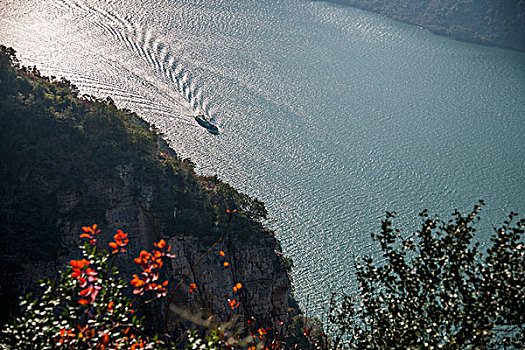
[490, 22]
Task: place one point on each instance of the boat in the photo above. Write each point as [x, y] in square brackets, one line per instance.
[207, 124]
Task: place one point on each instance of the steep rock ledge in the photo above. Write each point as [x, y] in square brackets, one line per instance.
[265, 285]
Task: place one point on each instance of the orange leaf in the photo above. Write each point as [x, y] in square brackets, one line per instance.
[161, 244]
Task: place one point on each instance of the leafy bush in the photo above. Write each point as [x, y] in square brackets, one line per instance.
[87, 307]
[435, 289]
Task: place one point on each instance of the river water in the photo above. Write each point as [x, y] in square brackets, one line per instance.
[329, 114]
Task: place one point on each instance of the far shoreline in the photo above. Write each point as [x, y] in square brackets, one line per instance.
[456, 32]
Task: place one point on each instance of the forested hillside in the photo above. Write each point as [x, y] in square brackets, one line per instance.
[490, 22]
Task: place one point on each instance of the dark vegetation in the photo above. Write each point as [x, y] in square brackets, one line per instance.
[435, 288]
[54, 141]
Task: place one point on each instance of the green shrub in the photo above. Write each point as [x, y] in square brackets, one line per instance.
[435, 289]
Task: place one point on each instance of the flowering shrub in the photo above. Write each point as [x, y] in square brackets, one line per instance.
[86, 308]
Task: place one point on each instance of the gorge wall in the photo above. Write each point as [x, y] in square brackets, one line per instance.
[490, 22]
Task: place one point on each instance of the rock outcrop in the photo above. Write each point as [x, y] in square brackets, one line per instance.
[255, 264]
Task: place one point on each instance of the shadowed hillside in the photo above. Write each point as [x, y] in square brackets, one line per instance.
[489, 22]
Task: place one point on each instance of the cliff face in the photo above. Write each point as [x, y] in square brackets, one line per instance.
[67, 162]
[489, 22]
[265, 285]
[254, 258]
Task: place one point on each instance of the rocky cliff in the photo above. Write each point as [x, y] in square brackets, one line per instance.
[69, 161]
[489, 22]
[265, 286]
